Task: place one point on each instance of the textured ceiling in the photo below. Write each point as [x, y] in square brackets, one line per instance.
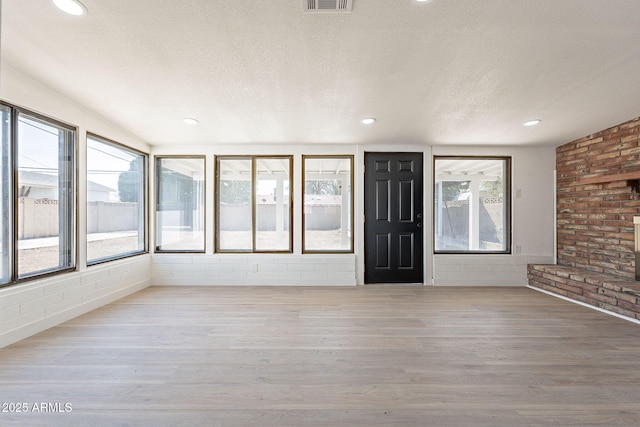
[263, 71]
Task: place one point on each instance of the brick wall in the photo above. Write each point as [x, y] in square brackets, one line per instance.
[595, 220]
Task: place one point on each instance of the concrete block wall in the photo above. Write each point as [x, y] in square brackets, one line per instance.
[254, 269]
[483, 270]
[32, 307]
[595, 220]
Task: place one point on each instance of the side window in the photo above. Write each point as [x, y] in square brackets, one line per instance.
[253, 204]
[116, 200]
[328, 204]
[472, 205]
[6, 241]
[5, 196]
[180, 207]
[46, 221]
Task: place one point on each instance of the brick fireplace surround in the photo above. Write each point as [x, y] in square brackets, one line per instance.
[597, 197]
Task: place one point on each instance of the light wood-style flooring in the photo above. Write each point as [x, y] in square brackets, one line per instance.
[361, 356]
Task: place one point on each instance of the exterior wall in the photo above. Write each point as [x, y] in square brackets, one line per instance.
[238, 218]
[323, 217]
[36, 193]
[103, 217]
[595, 221]
[98, 196]
[39, 218]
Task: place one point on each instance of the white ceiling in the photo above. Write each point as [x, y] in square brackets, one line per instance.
[263, 71]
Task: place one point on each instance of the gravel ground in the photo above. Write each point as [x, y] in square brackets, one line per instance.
[43, 258]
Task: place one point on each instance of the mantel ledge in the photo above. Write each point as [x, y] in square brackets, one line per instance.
[603, 179]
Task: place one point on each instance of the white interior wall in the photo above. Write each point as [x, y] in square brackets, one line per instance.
[35, 305]
[532, 226]
[532, 221]
[294, 269]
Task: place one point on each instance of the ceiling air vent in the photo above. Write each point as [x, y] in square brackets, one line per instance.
[325, 6]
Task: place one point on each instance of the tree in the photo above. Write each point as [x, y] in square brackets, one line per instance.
[235, 192]
[129, 182]
[492, 188]
[452, 189]
[322, 186]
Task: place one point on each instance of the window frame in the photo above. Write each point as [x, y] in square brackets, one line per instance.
[349, 157]
[507, 200]
[145, 203]
[14, 114]
[157, 160]
[254, 159]
[8, 229]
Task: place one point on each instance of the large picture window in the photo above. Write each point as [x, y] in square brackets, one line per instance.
[328, 204]
[180, 212]
[46, 193]
[472, 205]
[253, 204]
[116, 200]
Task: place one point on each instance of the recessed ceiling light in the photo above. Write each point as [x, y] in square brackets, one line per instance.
[190, 121]
[532, 122]
[72, 7]
[368, 121]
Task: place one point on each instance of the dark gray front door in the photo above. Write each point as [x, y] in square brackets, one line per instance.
[393, 218]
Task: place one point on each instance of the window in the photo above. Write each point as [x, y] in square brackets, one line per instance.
[46, 195]
[328, 204]
[5, 195]
[472, 205]
[38, 196]
[253, 204]
[116, 200]
[180, 204]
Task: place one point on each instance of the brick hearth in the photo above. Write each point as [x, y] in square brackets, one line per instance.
[597, 198]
